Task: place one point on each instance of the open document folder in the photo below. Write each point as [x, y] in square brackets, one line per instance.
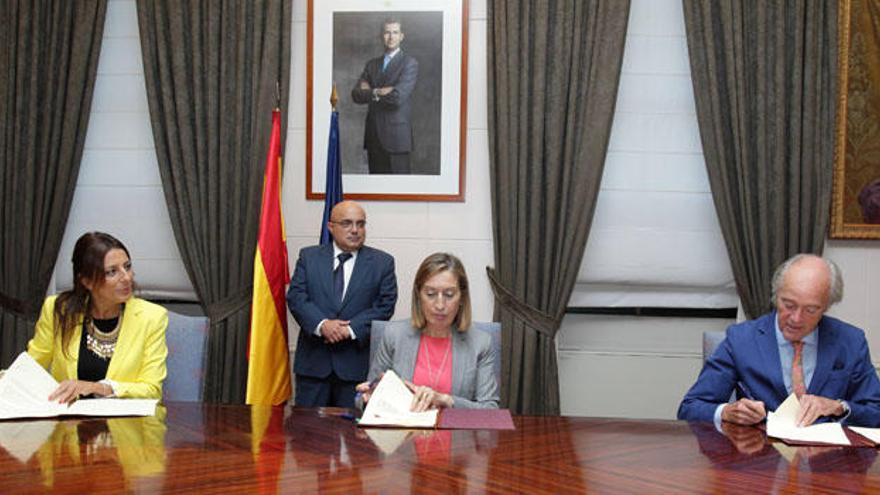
[390, 402]
[26, 386]
[782, 424]
[389, 406]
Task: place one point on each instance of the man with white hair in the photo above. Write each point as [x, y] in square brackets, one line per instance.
[794, 349]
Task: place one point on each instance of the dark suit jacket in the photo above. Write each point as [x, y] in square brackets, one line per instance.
[371, 295]
[749, 354]
[390, 116]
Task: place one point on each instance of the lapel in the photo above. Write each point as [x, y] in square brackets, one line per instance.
[73, 348]
[325, 263]
[393, 67]
[409, 351]
[361, 265]
[765, 340]
[459, 348]
[128, 334]
[824, 358]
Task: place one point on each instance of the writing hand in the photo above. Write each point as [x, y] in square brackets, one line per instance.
[744, 412]
[365, 389]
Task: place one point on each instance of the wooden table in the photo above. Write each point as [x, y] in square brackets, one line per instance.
[236, 449]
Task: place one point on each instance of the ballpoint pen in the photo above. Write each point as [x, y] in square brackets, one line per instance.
[743, 391]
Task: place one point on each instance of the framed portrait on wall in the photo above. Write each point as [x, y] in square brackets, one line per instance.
[855, 200]
[400, 71]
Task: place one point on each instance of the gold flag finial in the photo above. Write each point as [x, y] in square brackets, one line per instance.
[333, 97]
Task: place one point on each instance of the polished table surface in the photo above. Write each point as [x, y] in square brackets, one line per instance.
[205, 448]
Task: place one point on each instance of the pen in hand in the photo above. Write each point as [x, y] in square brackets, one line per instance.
[743, 391]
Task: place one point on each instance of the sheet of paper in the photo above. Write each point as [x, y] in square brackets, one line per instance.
[781, 424]
[872, 434]
[389, 406]
[25, 390]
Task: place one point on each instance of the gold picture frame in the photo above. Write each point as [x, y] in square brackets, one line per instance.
[855, 201]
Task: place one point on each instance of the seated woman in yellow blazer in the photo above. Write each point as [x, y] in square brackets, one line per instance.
[98, 339]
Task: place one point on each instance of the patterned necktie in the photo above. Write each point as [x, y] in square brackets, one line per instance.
[339, 276]
[385, 62]
[797, 370]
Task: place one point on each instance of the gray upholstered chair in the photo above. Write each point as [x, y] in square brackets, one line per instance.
[711, 340]
[493, 328]
[186, 338]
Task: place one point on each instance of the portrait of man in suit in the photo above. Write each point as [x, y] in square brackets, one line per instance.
[390, 119]
[386, 85]
[336, 292]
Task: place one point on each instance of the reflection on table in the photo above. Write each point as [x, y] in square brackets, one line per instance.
[241, 449]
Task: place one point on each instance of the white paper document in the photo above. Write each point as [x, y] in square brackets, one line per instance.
[781, 424]
[389, 406]
[872, 434]
[26, 386]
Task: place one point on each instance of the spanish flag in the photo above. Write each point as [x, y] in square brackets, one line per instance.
[268, 361]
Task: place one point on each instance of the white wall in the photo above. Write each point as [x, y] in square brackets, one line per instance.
[408, 230]
[609, 366]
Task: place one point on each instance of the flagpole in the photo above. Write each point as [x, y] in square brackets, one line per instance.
[333, 187]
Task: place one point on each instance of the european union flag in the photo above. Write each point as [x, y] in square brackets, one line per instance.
[333, 189]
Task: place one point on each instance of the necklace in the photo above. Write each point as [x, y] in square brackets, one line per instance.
[103, 344]
[434, 378]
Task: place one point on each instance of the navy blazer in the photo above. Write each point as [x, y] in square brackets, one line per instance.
[749, 354]
[390, 116]
[371, 295]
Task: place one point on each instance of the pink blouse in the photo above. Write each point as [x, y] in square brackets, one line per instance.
[434, 364]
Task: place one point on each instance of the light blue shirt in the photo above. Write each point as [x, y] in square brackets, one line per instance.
[388, 57]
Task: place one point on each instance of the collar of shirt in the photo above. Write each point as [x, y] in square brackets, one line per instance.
[337, 252]
[811, 338]
[389, 56]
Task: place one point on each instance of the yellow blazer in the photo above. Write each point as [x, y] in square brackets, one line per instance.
[138, 363]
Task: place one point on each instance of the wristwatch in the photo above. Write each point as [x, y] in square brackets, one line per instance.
[844, 406]
[375, 94]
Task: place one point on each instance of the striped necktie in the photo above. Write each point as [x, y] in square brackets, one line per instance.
[797, 370]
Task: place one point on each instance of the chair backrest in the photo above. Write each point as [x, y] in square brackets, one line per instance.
[186, 338]
[493, 328]
[711, 340]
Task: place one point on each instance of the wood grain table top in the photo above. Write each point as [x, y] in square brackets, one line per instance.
[209, 448]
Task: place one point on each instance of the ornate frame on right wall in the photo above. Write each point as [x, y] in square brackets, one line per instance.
[855, 201]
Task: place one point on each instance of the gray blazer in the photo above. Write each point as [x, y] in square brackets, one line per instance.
[473, 359]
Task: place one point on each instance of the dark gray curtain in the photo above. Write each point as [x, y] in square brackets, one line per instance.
[553, 72]
[211, 70]
[764, 82]
[48, 61]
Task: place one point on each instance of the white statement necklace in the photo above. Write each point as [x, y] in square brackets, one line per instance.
[103, 344]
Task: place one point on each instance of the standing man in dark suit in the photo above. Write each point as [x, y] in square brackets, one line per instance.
[794, 349]
[386, 85]
[337, 290]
